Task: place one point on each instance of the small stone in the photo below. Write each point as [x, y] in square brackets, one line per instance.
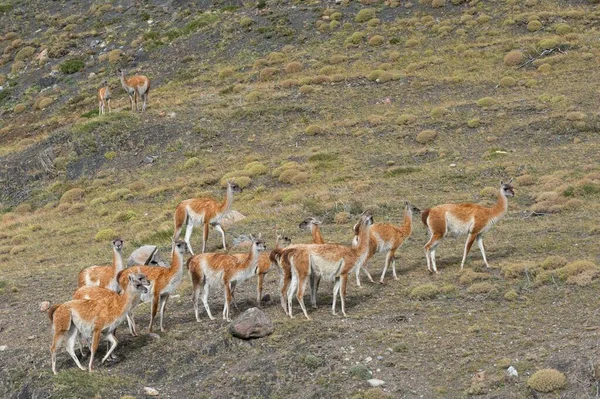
[3, 348]
[92, 75]
[368, 359]
[150, 391]
[379, 357]
[31, 337]
[453, 165]
[512, 372]
[44, 306]
[154, 335]
[374, 382]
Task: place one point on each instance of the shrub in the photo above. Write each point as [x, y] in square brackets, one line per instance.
[288, 165]
[514, 58]
[307, 89]
[120, 193]
[355, 38]
[267, 74]
[425, 291]
[42, 102]
[547, 44]
[547, 380]
[426, 136]
[16, 67]
[507, 81]
[71, 66]
[517, 270]
[289, 83]
[376, 40]
[19, 108]
[575, 268]
[575, 116]
[72, 195]
[313, 130]
[24, 53]
[246, 22]
[374, 22]
[115, 56]
[226, 72]
[511, 295]
[243, 181]
[438, 112]
[337, 59]
[342, 217]
[486, 102]
[481, 288]
[553, 262]
[287, 175]
[365, 15]
[313, 361]
[125, 216]
[563, 29]
[253, 96]
[300, 178]
[474, 123]
[406, 119]
[534, 26]
[191, 163]
[105, 235]
[256, 168]
[294, 67]
[438, 3]
[545, 68]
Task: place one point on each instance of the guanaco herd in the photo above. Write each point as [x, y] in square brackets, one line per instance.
[107, 295]
[137, 86]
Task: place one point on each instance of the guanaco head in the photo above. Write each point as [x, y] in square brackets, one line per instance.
[507, 189]
[411, 207]
[117, 244]
[139, 282]
[120, 72]
[308, 223]
[234, 187]
[180, 247]
[285, 241]
[105, 83]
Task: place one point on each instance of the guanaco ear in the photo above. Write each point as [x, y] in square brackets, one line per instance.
[510, 181]
[131, 278]
[252, 238]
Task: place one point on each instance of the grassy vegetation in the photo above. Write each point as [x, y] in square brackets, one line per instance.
[316, 110]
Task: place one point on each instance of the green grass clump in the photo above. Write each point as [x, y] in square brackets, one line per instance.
[468, 276]
[294, 67]
[425, 291]
[253, 96]
[226, 72]
[313, 130]
[511, 295]
[338, 59]
[547, 44]
[192, 162]
[400, 170]
[125, 216]
[119, 194]
[406, 119]
[481, 288]
[438, 112]
[288, 165]
[507, 81]
[246, 22]
[5, 7]
[380, 76]
[562, 29]
[486, 102]
[105, 235]
[255, 169]
[365, 15]
[376, 40]
[534, 26]
[518, 270]
[109, 155]
[360, 372]
[354, 39]
[312, 361]
[267, 74]
[293, 176]
[575, 268]
[547, 380]
[553, 262]
[474, 123]
[72, 195]
[25, 53]
[426, 136]
[71, 66]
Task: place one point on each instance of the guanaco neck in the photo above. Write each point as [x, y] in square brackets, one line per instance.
[315, 230]
[125, 84]
[407, 221]
[226, 204]
[176, 263]
[117, 261]
[501, 206]
[128, 299]
[364, 232]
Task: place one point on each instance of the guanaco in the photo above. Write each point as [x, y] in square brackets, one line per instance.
[164, 282]
[386, 237]
[332, 262]
[91, 318]
[203, 211]
[223, 269]
[104, 98]
[104, 276]
[265, 262]
[137, 86]
[460, 219]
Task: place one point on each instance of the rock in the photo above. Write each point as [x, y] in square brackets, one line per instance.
[3, 348]
[253, 323]
[31, 337]
[92, 75]
[512, 372]
[374, 382]
[44, 306]
[150, 391]
[145, 255]
[379, 357]
[368, 359]
[266, 298]
[154, 336]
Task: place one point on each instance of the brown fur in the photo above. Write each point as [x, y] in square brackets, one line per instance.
[104, 276]
[464, 218]
[93, 316]
[225, 269]
[162, 278]
[331, 261]
[137, 86]
[207, 210]
[51, 311]
[104, 99]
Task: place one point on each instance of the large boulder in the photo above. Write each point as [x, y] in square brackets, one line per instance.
[145, 255]
[253, 323]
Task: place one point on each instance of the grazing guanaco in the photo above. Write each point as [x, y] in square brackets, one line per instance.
[332, 262]
[104, 98]
[386, 237]
[223, 269]
[137, 86]
[460, 219]
[164, 282]
[104, 276]
[91, 318]
[203, 211]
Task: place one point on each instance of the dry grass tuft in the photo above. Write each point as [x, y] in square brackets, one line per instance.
[425, 291]
[553, 262]
[468, 276]
[514, 58]
[426, 136]
[547, 380]
[481, 288]
[72, 195]
[518, 270]
[105, 235]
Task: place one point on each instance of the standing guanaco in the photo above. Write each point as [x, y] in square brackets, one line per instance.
[104, 98]
[137, 86]
[164, 281]
[386, 237]
[203, 211]
[332, 262]
[222, 269]
[91, 318]
[104, 276]
[460, 219]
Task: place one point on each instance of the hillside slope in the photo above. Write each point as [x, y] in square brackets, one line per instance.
[316, 109]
